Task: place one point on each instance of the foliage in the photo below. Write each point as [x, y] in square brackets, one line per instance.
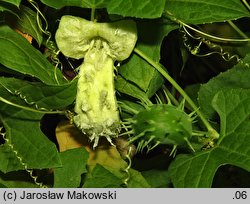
[197, 46]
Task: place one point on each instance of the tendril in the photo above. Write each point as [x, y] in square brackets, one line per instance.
[54, 52]
[126, 170]
[19, 94]
[70, 115]
[20, 159]
[207, 39]
[30, 103]
[217, 49]
[28, 108]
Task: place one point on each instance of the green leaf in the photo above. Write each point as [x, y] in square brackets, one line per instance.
[102, 178]
[14, 2]
[139, 9]
[27, 23]
[9, 160]
[137, 180]
[130, 89]
[37, 95]
[32, 146]
[138, 71]
[80, 3]
[23, 127]
[233, 107]
[150, 42]
[16, 53]
[198, 170]
[237, 77]
[73, 166]
[4, 6]
[2, 186]
[5, 70]
[17, 179]
[192, 91]
[157, 178]
[205, 11]
[26, 139]
[110, 159]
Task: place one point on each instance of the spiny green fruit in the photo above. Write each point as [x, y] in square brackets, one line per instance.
[161, 124]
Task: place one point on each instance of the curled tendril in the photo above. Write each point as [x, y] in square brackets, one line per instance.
[207, 39]
[36, 108]
[19, 94]
[70, 115]
[30, 103]
[54, 52]
[126, 170]
[216, 49]
[20, 159]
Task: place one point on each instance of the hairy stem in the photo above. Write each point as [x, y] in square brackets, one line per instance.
[212, 132]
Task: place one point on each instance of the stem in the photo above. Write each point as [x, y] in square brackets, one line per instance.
[237, 30]
[49, 44]
[29, 109]
[211, 130]
[39, 13]
[92, 14]
[206, 35]
[246, 4]
[215, 38]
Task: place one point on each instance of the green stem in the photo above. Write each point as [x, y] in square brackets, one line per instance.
[215, 38]
[212, 132]
[49, 44]
[206, 35]
[246, 4]
[39, 13]
[92, 14]
[29, 109]
[237, 30]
